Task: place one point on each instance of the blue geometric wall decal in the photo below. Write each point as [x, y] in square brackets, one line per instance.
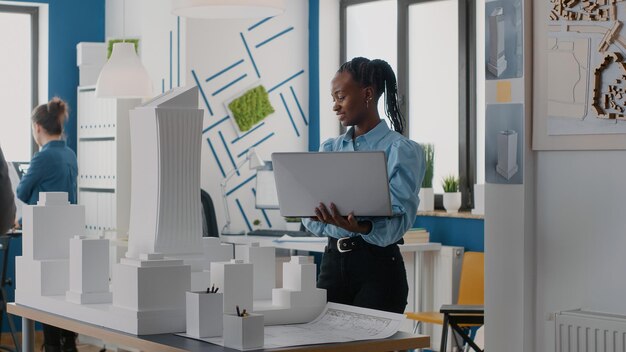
[219, 164]
[240, 185]
[299, 107]
[256, 144]
[245, 218]
[215, 124]
[256, 69]
[230, 156]
[206, 101]
[273, 37]
[224, 70]
[259, 23]
[289, 113]
[229, 84]
[267, 219]
[247, 133]
[285, 81]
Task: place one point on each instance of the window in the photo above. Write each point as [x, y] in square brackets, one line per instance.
[432, 47]
[18, 86]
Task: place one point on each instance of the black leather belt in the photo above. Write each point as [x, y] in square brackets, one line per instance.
[348, 244]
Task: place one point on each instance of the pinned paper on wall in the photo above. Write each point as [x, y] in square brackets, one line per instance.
[503, 91]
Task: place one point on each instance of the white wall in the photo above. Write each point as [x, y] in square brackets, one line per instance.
[581, 235]
[216, 45]
[329, 63]
[207, 47]
[151, 22]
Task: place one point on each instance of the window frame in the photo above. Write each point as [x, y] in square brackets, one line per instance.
[467, 81]
[33, 11]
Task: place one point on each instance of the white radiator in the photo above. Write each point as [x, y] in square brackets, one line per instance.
[582, 331]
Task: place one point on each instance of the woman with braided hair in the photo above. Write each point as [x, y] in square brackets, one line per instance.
[53, 169]
[367, 270]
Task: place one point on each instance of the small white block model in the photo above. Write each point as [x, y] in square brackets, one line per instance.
[152, 287]
[47, 228]
[216, 251]
[507, 154]
[263, 260]
[235, 280]
[301, 300]
[205, 313]
[244, 332]
[89, 271]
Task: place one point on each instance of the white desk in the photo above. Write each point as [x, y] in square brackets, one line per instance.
[411, 253]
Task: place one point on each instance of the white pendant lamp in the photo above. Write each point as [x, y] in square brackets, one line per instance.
[228, 9]
[123, 76]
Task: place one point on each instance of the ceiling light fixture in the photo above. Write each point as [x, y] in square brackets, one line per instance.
[228, 9]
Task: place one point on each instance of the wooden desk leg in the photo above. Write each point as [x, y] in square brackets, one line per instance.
[28, 335]
[419, 289]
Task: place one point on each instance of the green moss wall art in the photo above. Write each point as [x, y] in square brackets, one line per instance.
[251, 108]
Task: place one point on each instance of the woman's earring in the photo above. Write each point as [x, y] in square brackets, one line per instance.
[367, 103]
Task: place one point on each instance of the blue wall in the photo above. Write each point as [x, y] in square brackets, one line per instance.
[467, 233]
[70, 22]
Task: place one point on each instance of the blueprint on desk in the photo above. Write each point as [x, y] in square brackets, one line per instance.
[336, 323]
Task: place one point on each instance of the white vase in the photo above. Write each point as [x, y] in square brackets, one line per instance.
[452, 201]
[427, 199]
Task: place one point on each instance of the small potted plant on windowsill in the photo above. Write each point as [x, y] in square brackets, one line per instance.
[426, 195]
[292, 224]
[452, 196]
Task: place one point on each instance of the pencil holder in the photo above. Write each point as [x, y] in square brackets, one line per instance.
[205, 312]
[243, 332]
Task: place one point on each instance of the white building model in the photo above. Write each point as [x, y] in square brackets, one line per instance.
[497, 60]
[167, 255]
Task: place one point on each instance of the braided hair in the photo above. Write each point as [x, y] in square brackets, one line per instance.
[379, 75]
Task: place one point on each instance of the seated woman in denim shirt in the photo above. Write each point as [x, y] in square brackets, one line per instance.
[53, 169]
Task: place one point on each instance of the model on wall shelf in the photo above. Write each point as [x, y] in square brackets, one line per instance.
[497, 61]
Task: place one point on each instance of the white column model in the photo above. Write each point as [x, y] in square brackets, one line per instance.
[89, 271]
[497, 60]
[507, 154]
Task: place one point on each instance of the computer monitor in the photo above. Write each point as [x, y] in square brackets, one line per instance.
[266, 195]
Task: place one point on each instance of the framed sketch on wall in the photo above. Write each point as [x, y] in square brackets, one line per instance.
[579, 82]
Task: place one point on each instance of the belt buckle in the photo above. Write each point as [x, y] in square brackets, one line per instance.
[340, 244]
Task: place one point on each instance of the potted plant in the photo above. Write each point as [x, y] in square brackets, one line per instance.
[426, 195]
[292, 224]
[452, 196]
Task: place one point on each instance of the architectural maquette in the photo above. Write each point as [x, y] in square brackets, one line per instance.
[65, 273]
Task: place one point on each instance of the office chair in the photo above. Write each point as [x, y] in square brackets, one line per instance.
[469, 310]
[209, 220]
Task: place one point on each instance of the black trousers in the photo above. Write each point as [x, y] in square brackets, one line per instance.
[54, 337]
[368, 276]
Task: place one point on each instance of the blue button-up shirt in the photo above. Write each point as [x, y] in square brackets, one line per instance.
[53, 169]
[405, 167]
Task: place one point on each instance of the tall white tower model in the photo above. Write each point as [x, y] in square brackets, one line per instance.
[497, 60]
[165, 208]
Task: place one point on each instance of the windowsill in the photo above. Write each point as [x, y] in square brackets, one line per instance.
[459, 215]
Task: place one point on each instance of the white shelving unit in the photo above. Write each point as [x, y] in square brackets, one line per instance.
[104, 167]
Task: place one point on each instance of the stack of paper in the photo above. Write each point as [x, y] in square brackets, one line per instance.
[416, 235]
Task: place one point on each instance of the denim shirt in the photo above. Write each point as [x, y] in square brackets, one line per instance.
[53, 169]
[405, 168]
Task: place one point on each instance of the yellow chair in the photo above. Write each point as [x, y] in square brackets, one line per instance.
[471, 291]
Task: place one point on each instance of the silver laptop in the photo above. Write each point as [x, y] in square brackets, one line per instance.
[355, 181]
